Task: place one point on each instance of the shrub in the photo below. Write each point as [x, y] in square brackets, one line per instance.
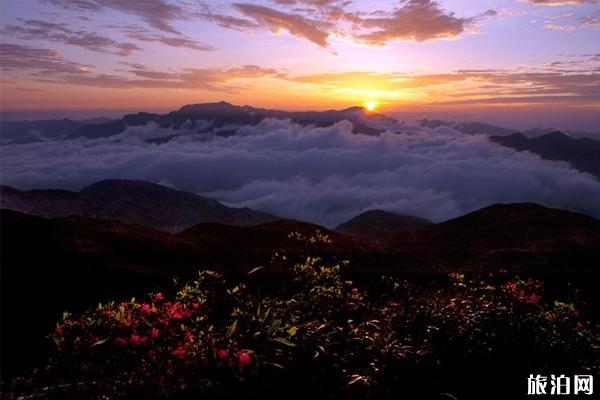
[319, 335]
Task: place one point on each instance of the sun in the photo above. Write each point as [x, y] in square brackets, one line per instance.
[371, 105]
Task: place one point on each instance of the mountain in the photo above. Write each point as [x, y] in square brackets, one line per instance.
[468, 128]
[22, 132]
[53, 264]
[224, 118]
[521, 237]
[128, 201]
[72, 263]
[380, 226]
[583, 153]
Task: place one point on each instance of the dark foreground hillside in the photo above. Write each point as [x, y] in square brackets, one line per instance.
[321, 336]
[298, 324]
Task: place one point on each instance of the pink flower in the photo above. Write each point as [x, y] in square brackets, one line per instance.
[58, 330]
[223, 354]
[189, 336]
[579, 325]
[243, 359]
[195, 306]
[533, 298]
[154, 332]
[136, 339]
[146, 309]
[158, 296]
[177, 316]
[355, 290]
[179, 352]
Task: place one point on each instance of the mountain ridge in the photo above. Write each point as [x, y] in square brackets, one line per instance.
[130, 201]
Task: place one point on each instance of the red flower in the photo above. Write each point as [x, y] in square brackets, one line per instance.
[58, 330]
[243, 359]
[154, 333]
[136, 339]
[158, 296]
[176, 315]
[146, 309]
[195, 306]
[355, 290]
[179, 352]
[533, 298]
[223, 354]
[579, 325]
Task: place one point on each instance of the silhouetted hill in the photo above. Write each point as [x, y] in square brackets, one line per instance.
[380, 226]
[583, 153]
[519, 237]
[135, 202]
[228, 116]
[22, 132]
[468, 128]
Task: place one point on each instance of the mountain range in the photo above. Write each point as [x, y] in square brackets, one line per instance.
[117, 239]
[583, 153]
[134, 202]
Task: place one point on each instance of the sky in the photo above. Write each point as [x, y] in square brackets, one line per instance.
[521, 63]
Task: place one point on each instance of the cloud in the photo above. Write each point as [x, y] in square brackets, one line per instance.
[295, 24]
[60, 33]
[318, 20]
[139, 33]
[561, 2]
[554, 82]
[417, 20]
[40, 61]
[212, 79]
[320, 174]
[159, 14]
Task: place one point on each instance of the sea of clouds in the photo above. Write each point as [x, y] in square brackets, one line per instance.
[323, 175]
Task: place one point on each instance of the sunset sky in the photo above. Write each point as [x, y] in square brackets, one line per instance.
[530, 57]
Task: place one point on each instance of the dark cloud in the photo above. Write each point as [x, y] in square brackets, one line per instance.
[324, 175]
[295, 24]
[40, 61]
[60, 33]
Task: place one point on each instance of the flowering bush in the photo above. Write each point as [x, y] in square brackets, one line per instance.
[318, 335]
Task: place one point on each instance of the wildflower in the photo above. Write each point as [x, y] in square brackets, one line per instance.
[179, 352]
[58, 330]
[195, 306]
[121, 341]
[355, 290]
[158, 296]
[579, 325]
[177, 315]
[223, 354]
[146, 309]
[154, 332]
[136, 339]
[243, 359]
[533, 298]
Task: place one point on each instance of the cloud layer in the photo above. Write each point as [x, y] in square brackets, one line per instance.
[324, 175]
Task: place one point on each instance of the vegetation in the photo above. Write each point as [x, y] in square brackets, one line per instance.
[318, 335]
